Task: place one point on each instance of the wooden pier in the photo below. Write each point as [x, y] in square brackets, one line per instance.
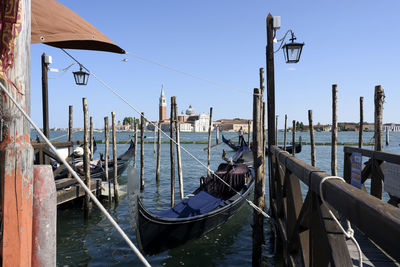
[308, 233]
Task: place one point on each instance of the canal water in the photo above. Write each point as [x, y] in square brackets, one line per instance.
[97, 243]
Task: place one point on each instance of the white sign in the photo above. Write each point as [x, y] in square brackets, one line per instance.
[356, 168]
[392, 179]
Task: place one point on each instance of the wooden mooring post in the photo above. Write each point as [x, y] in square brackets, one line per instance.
[248, 132]
[361, 128]
[86, 156]
[70, 127]
[276, 129]
[106, 153]
[379, 97]
[16, 152]
[259, 190]
[310, 123]
[142, 122]
[115, 163]
[171, 151]
[217, 134]
[178, 152]
[135, 141]
[91, 138]
[294, 138]
[284, 133]
[334, 131]
[209, 143]
[158, 153]
[387, 136]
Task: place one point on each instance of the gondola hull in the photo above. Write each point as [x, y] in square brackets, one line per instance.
[156, 234]
[99, 172]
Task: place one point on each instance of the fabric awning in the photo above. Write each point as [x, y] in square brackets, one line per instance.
[56, 25]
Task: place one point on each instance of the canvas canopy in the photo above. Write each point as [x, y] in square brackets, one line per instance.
[56, 25]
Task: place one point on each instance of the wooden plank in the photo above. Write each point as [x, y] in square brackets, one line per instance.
[76, 191]
[57, 144]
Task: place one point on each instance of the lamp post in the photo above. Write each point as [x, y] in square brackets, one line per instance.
[292, 53]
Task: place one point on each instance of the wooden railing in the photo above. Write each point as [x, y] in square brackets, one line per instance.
[309, 235]
[374, 169]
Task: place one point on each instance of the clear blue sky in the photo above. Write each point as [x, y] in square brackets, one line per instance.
[352, 43]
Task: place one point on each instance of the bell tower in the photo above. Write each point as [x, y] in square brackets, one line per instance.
[162, 106]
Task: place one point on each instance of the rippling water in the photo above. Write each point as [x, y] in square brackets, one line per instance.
[96, 243]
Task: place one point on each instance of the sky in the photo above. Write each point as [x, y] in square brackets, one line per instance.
[353, 44]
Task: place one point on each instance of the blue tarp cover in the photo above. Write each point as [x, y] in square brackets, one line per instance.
[199, 204]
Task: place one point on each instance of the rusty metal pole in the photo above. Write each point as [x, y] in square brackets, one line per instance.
[16, 152]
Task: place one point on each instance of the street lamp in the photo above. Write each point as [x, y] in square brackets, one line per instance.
[81, 77]
[292, 51]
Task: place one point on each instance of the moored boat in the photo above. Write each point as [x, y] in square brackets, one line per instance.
[209, 206]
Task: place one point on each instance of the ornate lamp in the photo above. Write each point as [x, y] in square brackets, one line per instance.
[292, 51]
[81, 77]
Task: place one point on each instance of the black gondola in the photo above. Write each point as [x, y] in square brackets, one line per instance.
[97, 169]
[209, 206]
[289, 148]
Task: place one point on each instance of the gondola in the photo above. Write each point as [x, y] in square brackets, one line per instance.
[209, 206]
[97, 167]
[289, 148]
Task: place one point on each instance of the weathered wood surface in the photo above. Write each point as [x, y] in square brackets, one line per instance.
[375, 218]
[334, 131]
[209, 143]
[361, 128]
[16, 153]
[142, 122]
[158, 153]
[115, 158]
[68, 189]
[259, 188]
[171, 151]
[371, 254]
[86, 156]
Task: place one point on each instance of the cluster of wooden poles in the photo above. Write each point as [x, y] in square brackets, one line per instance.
[88, 152]
[174, 136]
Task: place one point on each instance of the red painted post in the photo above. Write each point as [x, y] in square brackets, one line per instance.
[16, 153]
[44, 217]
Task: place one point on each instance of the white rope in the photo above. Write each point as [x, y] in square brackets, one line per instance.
[79, 180]
[159, 129]
[350, 232]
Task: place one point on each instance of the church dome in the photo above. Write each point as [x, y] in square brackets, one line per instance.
[190, 111]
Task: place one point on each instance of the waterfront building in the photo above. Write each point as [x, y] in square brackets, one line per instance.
[391, 127]
[192, 122]
[234, 125]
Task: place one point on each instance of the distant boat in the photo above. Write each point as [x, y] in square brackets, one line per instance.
[289, 148]
[209, 206]
[97, 167]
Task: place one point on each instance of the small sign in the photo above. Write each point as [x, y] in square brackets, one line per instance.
[356, 168]
[392, 179]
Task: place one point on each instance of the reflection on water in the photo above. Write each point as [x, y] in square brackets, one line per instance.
[96, 243]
